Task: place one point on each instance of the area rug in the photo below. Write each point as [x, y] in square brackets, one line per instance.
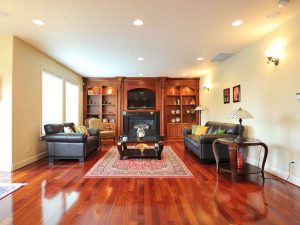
[7, 188]
[110, 165]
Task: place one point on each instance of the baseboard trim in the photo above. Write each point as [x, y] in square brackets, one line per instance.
[28, 161]
[276, 172]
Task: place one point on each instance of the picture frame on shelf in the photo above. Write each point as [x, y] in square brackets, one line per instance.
[226, 95]
[90, 92]
[236, 96]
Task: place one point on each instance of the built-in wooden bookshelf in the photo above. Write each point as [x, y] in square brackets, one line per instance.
[107, 99]
[182, 97]
[102, 103]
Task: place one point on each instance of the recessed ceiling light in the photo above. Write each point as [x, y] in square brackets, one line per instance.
[200, 58]
[138, 22]
[140, 74]
[38, 22]
[140, 58]
[237, 23]
[184, 74]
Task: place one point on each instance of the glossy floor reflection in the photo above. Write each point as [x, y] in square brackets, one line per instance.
[60, 195]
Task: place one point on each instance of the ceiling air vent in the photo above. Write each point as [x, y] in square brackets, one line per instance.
[221, 57]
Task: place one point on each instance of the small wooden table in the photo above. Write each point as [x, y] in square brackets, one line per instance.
[234, 147]
[133, 152]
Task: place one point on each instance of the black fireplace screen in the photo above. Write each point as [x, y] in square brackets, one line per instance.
[145, 124]
[149, 121]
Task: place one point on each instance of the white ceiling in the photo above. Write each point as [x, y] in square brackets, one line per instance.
[97, 38]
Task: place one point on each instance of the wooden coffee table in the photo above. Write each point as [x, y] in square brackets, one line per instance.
[134, 152]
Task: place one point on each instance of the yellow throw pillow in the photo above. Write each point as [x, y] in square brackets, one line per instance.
[77, 129]
[82, 130]
[200, 130]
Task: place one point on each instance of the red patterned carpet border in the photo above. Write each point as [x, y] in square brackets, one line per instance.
[111, 166]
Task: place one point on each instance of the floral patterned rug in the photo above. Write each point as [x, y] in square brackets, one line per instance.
[110, 165]
[7, 188]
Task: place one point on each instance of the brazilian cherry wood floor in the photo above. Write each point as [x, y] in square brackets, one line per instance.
[59, 195]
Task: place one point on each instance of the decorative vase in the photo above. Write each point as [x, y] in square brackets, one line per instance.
[140, 132]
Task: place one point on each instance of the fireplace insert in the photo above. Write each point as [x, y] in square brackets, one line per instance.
[149, 121]
[140, 98]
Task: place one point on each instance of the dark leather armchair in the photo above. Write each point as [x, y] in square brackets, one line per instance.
[62, 145]
[201, 145]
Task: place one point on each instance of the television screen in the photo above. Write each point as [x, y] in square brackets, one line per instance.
[141, 98]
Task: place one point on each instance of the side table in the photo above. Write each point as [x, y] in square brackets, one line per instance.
[234, 147]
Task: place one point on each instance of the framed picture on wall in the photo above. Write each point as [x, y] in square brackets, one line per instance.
[236, 96]
[226, 95]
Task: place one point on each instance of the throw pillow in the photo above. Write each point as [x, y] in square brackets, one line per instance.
[219, 131]
[77, 129]
[68, 130]
[194, 128]
[82, 130]
[201, 130]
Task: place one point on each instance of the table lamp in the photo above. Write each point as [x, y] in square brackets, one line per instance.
[200, 108]
[240, 114]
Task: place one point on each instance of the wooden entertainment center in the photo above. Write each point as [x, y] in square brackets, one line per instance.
[175, 101]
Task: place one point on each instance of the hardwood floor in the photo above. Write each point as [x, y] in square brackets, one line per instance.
[59, 195]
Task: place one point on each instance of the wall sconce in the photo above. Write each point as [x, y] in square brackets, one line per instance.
[206, 87]
[272, 59]
[275, 52]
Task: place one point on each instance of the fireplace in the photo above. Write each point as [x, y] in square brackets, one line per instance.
[149, 121]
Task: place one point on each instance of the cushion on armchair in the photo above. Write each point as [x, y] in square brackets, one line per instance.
[95, 123]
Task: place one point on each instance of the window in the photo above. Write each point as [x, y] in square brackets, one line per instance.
[72, 99]
[52, 99]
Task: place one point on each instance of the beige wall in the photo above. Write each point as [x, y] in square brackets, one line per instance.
[6, 50]
[27, 101]
[269, 93]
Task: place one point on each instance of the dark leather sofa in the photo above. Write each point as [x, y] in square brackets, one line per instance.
[62, 145]
[201, 145]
